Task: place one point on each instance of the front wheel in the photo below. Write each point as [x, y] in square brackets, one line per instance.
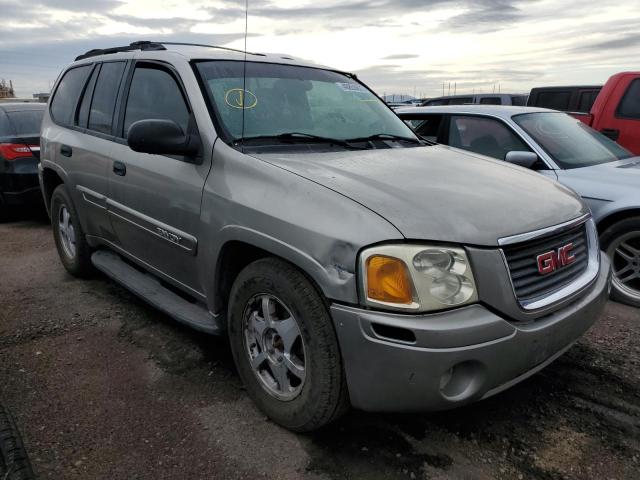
[621, 241]
[284, 346]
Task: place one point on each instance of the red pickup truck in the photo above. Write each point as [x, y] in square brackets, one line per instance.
[615, 111]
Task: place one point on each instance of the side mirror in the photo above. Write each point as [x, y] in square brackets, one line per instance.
[162, 137]
[523, 159]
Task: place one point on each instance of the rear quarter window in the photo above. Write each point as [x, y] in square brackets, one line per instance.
[67, 93]
[630, 104]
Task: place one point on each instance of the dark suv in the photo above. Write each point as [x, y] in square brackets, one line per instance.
[19, 154]
[285, 205]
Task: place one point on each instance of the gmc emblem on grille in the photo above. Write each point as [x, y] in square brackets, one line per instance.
[549, 262]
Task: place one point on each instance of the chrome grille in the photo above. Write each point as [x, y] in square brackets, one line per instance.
[528, 283]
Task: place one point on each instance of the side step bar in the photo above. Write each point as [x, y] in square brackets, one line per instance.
[148, 288]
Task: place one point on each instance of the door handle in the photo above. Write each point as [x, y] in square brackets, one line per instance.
[66, 150]
[119, 168]
[612, 133]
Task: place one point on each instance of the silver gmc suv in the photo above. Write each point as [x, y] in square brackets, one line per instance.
[285, 205]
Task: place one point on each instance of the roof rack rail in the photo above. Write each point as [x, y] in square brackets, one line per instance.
[141, 45]
[150, 45]
[210, 46]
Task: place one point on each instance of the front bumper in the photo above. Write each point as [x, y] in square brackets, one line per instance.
[444, 360]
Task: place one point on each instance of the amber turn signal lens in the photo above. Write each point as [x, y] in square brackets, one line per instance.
[388, 280]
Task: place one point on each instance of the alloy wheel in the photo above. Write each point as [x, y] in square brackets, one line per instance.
[625, 258]
[66, 231]
[275, 346]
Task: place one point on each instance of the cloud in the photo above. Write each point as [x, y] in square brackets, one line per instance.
[400, 56]
[621, 42]
[394, 45]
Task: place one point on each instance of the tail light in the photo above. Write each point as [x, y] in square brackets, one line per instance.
[11, 151]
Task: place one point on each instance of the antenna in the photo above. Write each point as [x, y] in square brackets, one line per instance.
[244, 67]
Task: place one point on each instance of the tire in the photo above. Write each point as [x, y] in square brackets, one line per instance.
[14, 461]
[76, 260]
[621, 241]
[322, 396]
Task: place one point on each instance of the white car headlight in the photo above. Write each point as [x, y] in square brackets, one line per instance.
[416, 278]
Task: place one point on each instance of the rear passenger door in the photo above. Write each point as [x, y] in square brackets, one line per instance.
[84, 104]
[154, 202]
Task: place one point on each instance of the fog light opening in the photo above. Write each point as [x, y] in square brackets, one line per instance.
[462, 381]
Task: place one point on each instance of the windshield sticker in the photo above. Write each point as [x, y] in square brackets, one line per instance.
[351, 87]
[239, 98]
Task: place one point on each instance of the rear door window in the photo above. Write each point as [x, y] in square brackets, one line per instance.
[85, 103]
[519, 100]
[65, 99]
[104, 97]
[486, 136]
[427, 126]
[630, 104]
[155, 94]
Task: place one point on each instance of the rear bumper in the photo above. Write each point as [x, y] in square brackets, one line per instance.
[19, 188]
[458, 356]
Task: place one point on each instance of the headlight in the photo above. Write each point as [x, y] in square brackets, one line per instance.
[416, 277]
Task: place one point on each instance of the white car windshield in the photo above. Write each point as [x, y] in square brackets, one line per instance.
[279, 100]
[571, 143]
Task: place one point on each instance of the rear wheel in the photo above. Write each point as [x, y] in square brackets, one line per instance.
[621, 241]
[73, 249]
[285, 347]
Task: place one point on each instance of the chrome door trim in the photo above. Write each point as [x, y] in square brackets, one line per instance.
[160, 230]
[92, 197]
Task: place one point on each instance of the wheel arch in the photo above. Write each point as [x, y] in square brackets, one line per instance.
[240, 246]
[51, 178]
[614, 217]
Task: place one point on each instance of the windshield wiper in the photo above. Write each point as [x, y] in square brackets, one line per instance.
[386, 136]
[301, 137]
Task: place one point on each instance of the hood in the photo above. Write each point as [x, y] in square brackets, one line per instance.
[607, 181]
[438, 193]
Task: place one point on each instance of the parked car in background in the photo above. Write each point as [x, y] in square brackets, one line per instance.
[613, 110]
[572, 99]
[284, 205]
[560, 147]
[19, 154]
[480, 98]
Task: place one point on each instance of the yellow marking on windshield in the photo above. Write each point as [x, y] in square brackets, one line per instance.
[239, 98]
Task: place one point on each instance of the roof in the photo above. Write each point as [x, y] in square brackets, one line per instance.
[479, 94]
[188, 52]
[502, 111]
[22, 106]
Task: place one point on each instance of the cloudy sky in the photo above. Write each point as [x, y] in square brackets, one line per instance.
[396, 46]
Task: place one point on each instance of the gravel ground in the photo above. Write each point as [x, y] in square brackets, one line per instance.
[105, 387]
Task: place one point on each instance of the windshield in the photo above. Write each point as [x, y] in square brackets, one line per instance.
[571, 143]
[284, 99]
[26, 122]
